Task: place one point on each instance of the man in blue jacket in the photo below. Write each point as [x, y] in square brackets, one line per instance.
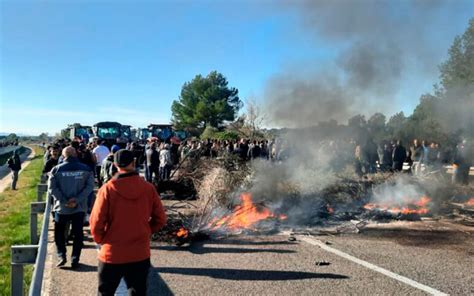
[69, 185]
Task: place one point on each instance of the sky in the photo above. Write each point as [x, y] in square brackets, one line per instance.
[63, 62]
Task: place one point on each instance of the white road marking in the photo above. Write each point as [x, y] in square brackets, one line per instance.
[371, 266]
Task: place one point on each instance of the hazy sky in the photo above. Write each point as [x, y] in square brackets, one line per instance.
[88, 61]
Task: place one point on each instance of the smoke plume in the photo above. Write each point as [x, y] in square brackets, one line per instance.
[379, 43]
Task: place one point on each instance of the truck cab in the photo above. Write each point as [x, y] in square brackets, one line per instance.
[76, 130]
[110, 132]
[143, 134]
[162, 131]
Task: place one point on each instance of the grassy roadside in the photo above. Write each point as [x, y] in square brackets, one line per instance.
[14, 218]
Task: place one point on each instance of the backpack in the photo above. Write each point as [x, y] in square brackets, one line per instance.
[10, 162]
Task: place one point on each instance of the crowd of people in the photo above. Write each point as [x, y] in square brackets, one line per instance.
[158, 158]
[127, 208]
[125, 212]
[421, 157]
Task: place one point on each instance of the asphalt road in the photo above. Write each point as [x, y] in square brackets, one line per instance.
[433, 255]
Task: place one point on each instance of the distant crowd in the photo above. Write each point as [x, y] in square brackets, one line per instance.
[159, 158]
[421, 157]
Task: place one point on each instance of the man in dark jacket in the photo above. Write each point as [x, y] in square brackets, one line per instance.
[138, 154]
[85, 156]
[370, 156]
[417, 155]
[153, 162]
[52, 161]
[399, 156]
[14, 163]
[243, 149]
[387, 162]
[463, 159]
[70, 185]
[254, 151]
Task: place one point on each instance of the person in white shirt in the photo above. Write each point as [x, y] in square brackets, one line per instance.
[100, 152]
[165, 163]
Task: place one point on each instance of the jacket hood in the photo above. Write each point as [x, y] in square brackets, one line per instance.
[126, 186]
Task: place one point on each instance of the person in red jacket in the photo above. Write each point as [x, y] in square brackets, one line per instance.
[125, 214]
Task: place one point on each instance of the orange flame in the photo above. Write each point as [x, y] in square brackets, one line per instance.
[370, 206]
[244, 216]
[182, 233]
[423, 202]
[470, 202]
[419, 207]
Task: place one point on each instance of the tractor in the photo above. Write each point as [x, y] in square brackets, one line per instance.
[112, 133]
[76, 130]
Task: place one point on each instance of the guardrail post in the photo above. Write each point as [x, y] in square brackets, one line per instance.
[36, 208]
[20, 255]
[33, 228]
[44, 179]
[41, 189]
[16, 279]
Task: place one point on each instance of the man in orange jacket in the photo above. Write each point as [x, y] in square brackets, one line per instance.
[126, 212]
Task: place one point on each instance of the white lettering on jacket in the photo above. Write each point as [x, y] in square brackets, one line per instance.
[76, 175]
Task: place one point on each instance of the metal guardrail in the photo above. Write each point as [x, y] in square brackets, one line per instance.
[36, 252]
[37, 279]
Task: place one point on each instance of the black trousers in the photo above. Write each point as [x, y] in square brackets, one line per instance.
[60, 223]
[152, 170]
[97, 173]
[135, 275]
[165, 172]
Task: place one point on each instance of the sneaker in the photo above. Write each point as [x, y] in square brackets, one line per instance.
[61, 262]
[75, 265]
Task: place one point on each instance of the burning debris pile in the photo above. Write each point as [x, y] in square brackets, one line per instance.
[461, 209]
[407, 207]
[235, 197]
[402, 198]
[246, 216]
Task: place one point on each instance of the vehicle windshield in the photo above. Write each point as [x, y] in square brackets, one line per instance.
[81, 131]
[161, 133]
[108, 132]
[145, 134]
[126, 133]
[180, 134]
